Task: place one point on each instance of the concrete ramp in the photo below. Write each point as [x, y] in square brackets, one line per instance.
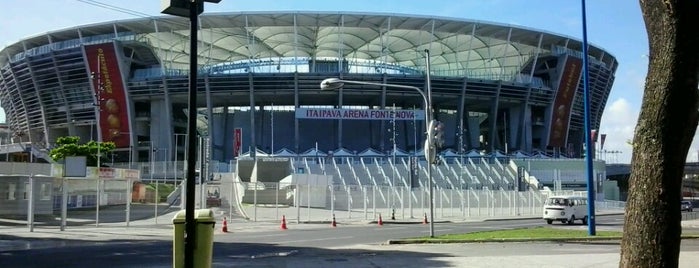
[271, 169]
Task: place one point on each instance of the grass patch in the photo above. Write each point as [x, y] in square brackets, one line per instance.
[541, 233]
[515, 235]
[534, 233]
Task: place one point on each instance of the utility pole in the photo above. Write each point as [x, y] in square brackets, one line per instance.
[98, 114]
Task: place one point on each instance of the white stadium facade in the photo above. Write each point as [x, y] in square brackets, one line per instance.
[500, 90]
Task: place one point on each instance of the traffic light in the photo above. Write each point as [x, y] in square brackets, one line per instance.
[438, 134]
[430, 152]
[435, 140]
[431, 131]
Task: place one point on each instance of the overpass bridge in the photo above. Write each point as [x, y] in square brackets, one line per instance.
[622, 172]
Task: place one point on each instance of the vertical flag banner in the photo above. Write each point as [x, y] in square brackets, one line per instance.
[562, 105]
[602, 138]
[102, 62]
[593, 135]
[238, 141]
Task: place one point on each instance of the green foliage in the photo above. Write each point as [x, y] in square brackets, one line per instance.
[70, 146]
[164, 190]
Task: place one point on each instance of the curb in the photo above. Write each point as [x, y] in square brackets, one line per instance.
[407, 222]
[515, 240]
[539, 217]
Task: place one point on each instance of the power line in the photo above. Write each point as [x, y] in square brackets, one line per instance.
[116, 8]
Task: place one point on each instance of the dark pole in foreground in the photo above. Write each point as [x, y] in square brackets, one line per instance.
[190, 9]
[588, 133]
[430, 117]
[189, 237]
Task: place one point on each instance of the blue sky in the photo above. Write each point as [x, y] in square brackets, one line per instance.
[616, 26]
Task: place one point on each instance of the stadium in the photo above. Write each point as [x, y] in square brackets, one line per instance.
[497, 88]
[502, 92]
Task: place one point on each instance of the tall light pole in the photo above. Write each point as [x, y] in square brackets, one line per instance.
[98, 109]
[393, 168]
[190, 9]
[335, 83]
[588, 132]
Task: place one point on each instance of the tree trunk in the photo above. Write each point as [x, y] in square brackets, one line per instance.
[664, 132]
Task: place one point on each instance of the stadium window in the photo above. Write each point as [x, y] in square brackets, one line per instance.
[11, 191]
[45, 191]
[26, 191]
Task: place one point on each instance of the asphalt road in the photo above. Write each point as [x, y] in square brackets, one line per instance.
[344, 235]
[315, 245]
[313, 254]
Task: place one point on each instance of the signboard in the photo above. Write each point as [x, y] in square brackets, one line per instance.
[132, 174]
[75, 166]
[359, 114]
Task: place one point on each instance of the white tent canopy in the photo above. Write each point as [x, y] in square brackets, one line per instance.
[258, 152]
[313, 153]
[497, 154]
[370, 152]
[540, 155]
[399, 153]
[449, 153]
[474, 153]
[284, 152]
[342, 152]
[520, 154]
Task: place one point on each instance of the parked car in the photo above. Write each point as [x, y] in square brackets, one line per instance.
[687, 206]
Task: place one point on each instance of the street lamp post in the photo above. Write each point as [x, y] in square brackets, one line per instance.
[190, 9]
[335, 83]
[393, 165]
[98, 108]
[152, 170]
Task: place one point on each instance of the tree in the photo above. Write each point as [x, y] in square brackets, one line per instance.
[69, 146]
[664, 132]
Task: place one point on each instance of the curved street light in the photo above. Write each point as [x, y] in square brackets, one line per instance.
[430, 150]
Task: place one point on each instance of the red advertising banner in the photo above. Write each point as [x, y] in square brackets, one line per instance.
[604, 137]
[593, 135]
[238, 142]
[107, 84]
[567, 87]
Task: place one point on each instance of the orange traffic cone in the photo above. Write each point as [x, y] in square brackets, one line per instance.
[225, 225]
[333, 224]
[424, 220]
[283, 222]
[380, 220]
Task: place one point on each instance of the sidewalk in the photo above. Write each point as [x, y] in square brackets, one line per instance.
[161, 228]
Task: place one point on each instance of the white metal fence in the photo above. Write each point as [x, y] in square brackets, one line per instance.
[305, 202]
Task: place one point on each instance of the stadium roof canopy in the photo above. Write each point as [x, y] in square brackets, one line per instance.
[458, 47]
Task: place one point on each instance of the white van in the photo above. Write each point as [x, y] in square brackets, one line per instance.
[566, 209]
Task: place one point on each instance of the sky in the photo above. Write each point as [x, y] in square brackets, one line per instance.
[615, 26]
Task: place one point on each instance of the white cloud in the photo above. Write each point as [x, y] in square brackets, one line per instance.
[618, 122]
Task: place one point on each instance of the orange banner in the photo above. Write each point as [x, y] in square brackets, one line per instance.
[107, 84]
[560, 117]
